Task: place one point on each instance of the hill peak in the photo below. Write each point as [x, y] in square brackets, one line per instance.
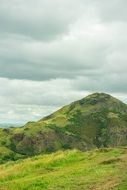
[99, 95]
[96, 97]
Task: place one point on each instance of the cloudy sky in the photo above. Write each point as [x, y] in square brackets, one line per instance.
[53, 52]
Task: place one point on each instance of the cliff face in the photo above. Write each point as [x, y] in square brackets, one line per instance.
[98, 120]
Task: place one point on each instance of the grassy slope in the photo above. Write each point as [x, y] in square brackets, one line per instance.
[102, 169]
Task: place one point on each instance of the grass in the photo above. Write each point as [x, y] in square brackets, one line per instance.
[102, 169]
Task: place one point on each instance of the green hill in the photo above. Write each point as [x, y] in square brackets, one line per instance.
[96, 121]
[100, 169]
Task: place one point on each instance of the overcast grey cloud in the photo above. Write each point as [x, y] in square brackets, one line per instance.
[39, 19]
[54, 52]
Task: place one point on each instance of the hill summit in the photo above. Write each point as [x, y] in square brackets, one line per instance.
[98, 120]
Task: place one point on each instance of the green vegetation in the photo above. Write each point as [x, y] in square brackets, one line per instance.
[97, 121]
[87, 143]
[100, 169]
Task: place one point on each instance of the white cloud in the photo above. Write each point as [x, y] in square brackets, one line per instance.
[23, 100]
[54, 52]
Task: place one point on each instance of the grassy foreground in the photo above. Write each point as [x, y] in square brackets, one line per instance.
[102, 169]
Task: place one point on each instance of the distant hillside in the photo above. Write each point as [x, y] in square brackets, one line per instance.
[96, 121]
[8, 125]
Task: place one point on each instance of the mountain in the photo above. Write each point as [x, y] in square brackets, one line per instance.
[96, 121]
